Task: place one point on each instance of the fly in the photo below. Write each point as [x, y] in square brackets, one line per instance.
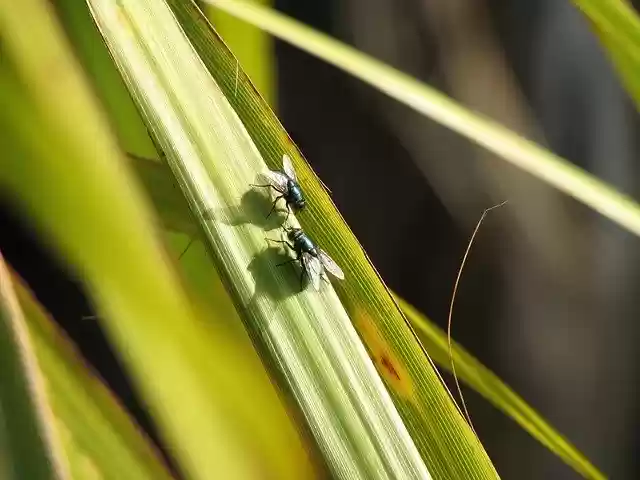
[287, 186]
[313, 260]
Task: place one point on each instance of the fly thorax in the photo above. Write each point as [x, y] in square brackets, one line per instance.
[306, 245]
[295, 235]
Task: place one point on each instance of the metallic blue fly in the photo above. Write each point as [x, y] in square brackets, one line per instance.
[286, 184]
[313, 260]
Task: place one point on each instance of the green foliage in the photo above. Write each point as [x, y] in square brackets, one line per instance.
[431, 417]
[253, 47]
[29, 445]
[434, 340]
[92, 213]
[618, 26]
[305, 336]
[175, 332]
[93, 429]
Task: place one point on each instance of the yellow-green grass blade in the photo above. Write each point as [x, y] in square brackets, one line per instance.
[626, 65]
[435, 424]
[87, 44]
[306, 336]
[483, 381]
[506, 144]
[268, 133]
[30, 445]
[617, 24]
[99, 438]
[252, 46]
[468, 368]
[214, 301]
[167, 198]
[62, 168]
[204, 283]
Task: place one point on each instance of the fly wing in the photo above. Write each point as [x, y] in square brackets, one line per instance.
[330, 265]
[287, 166]
[314, 269]
[275, 179]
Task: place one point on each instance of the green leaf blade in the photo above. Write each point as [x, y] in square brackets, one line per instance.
[308, 335]
[94, 425]
[55, 139]
[618, 26]
[30, 446]
[445, 442]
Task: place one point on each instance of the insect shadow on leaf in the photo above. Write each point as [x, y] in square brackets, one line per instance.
[250, 210]
[261, 268]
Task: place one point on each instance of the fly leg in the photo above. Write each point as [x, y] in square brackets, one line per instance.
[298, 258]
[267, 186]
[302, 273]
[287, 262]
[284, 242]
[186, 248]
[275, 202]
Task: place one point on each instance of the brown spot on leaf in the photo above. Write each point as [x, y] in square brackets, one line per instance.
[388, 365]
[393, 372]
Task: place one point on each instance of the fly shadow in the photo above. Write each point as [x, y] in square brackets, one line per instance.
[262, 268]
[253, 208]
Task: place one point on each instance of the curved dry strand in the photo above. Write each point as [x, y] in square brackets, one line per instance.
[450, 317]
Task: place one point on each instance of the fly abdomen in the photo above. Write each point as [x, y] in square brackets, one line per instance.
[294, 195]
[313, 260]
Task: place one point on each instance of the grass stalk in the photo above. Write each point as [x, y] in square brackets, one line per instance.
[307, 336]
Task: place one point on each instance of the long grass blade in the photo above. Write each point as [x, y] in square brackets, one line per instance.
[93, 425]
[30, 445]
[384, 332]
[63, 169]
[439, 441]
[618, 25]
[308, 336]
[469, 369]
[253, 47]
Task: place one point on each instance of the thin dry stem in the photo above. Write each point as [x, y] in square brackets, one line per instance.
[449, 320]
